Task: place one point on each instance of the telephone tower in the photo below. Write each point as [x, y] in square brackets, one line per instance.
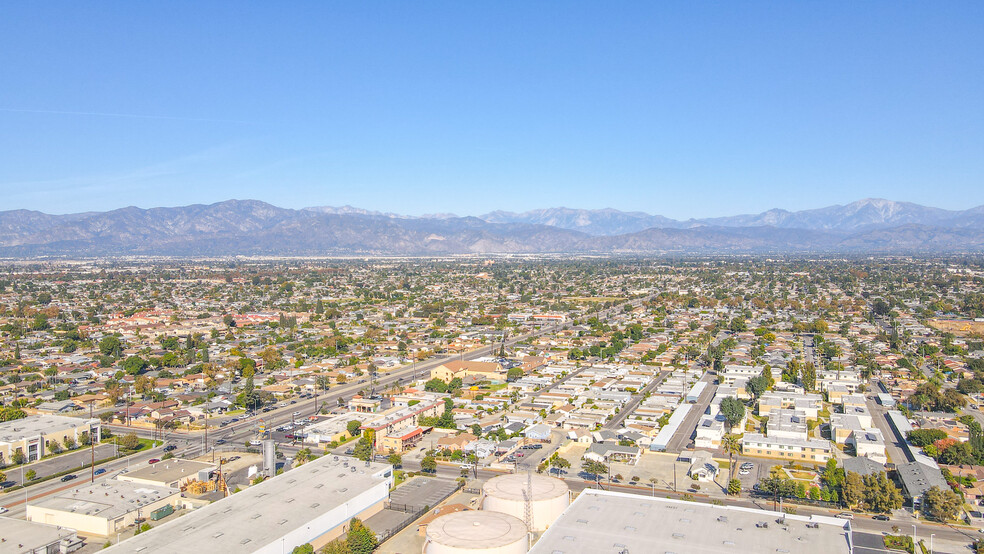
[528, 499]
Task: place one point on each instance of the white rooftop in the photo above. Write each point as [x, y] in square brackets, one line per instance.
[604, 521]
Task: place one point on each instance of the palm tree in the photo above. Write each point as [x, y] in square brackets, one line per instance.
[732, 447]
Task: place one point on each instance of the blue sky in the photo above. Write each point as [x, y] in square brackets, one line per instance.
[421, 107]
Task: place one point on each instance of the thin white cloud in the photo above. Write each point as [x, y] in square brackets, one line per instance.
[126, 115]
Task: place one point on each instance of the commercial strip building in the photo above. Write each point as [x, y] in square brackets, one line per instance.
[605, 521]
[460, 369]
[34, 435]
[334, 429]
[22, 537]
[312, 503]
[173, 473]
[101, 509]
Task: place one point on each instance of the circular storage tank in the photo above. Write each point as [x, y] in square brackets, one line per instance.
[476, 532]
[505, 494]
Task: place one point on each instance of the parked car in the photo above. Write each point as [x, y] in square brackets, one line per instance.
[68, 478]
[743, 472]
[100, 471]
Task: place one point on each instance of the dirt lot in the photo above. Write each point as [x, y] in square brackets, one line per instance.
[958, 327]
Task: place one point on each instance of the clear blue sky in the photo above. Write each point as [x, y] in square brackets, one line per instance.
[466, 107]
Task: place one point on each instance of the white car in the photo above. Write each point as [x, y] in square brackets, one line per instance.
[3, 510]
[744, 472]
[295, 414]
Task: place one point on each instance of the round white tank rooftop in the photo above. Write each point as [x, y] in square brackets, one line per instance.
[476, 530]
[511, 487]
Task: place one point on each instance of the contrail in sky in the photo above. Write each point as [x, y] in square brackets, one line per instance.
[137, 116]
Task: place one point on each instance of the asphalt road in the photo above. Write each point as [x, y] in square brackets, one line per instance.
[634, 403]
[14, 500]
[681, 440]
[58, 464]
[892, 444]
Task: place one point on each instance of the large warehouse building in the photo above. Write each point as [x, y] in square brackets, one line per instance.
[604, 521]
[312, 504]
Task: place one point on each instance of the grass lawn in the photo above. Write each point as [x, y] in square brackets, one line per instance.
[235, 412]
[804, 475]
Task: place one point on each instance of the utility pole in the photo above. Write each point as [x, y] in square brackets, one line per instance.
[205, 446]
[92, 447]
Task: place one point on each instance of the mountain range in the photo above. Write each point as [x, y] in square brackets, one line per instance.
[251, 227]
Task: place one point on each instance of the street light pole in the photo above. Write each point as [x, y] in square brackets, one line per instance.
[930, 543]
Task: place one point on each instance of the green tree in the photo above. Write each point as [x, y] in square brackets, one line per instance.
[881, 494]
[363, 450]
[436, 385]
[360, 539]
[809, 376]
[595, 468]
[30, 475]
[353, 427]
[731, 445]
[10, 413]
[779, 487]
[734, 487]
[130, 441]
[428, 464]
[941, 505]
[514, 374]
[733, 411]
[303, 549]
[853, 490]
[110, 346]
[395, 460]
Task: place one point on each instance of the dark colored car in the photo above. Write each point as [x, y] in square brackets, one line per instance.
[169, 448]
[68, 478]
[100, 471]
[881, 517]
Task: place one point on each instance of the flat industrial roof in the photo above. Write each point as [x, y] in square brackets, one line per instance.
[604, 521]
[107, 499]
[31, 534]
[259, 515]
[33, 426]
[168, 471]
